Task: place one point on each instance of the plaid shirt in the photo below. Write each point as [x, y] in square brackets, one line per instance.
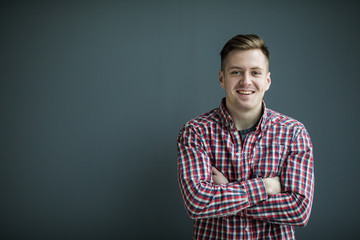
[241, 209]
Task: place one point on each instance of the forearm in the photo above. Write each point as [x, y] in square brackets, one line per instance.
[283, 208]
[207, 200]
[279, 208]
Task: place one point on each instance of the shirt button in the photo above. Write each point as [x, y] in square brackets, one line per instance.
[238, 153]
[247, 229]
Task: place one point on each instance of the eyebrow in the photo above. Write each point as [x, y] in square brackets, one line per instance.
[253, 68]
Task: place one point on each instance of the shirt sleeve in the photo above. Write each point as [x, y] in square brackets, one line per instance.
[293, 205]
[203, 198]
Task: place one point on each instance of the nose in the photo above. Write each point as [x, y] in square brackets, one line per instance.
[246, 78]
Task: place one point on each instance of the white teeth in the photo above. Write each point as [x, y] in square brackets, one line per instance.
[245, 92]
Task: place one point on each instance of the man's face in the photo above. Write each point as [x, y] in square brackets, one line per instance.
[245, 79]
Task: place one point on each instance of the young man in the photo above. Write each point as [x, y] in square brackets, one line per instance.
[245, 171]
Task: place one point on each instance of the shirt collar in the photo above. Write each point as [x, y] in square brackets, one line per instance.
[264, 118]
[225, 116]
[228, 122]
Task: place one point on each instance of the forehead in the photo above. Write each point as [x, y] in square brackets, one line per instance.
[253, 58]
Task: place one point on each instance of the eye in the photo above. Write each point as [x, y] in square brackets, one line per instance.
[256, 73]
[235, 72]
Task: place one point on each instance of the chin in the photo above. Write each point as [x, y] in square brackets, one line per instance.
[248, 107]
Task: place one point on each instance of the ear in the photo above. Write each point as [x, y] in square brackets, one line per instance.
[268, 81]
[221, 79]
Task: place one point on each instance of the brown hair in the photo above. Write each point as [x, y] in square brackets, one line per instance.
[244, 42]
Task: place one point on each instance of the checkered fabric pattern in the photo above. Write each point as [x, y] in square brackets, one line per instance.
[241, 209]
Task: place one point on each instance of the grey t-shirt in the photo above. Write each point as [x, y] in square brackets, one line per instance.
[246, 131]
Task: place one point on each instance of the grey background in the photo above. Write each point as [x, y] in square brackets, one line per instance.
[93, 94]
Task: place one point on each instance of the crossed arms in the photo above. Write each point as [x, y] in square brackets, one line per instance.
[272, 184]
[208, 194]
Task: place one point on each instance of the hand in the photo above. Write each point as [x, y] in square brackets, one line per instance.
[272, 185]
[217, 177]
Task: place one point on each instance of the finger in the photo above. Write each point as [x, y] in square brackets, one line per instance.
[215, 171]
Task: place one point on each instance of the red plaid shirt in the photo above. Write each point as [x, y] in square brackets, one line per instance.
[241, 209]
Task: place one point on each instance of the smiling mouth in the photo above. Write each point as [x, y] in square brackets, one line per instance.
[244, 92]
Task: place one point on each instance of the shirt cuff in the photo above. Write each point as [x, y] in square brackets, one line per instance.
[255, 190]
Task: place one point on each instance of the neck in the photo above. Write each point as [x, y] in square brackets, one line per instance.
[245, 119]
